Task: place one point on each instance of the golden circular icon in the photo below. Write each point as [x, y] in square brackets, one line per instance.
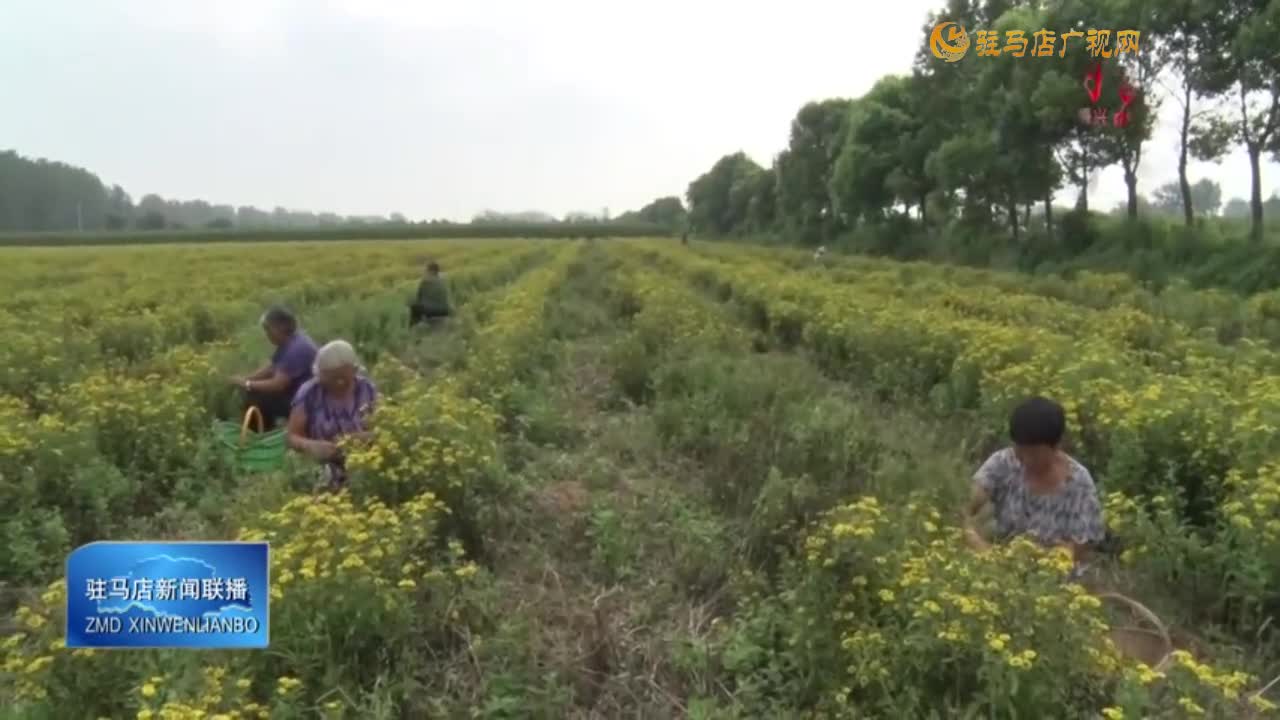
[939, 47]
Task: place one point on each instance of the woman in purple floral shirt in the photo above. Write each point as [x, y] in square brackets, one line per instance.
[335, 404]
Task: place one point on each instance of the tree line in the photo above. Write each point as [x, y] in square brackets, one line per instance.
[45, 196]
[38, 195]
[1206, 201]
[386, 231]
[986, 141]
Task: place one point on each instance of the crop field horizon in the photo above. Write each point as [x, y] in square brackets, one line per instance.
[639, 479]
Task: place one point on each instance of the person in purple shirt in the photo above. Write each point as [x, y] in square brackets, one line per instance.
[273, 386]
[334, 405]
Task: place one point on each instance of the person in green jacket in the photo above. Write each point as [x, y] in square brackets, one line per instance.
[432, 301]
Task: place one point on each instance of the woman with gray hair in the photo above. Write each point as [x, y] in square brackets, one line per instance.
[272, 387]
[334, 404]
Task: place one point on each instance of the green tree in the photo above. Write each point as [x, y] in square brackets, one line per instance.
[119, 209]
[761, 192]
[1236, 46]
[1172, 39]
[1083, 150]
[888, 139]
[858, 183]
[717, 201]
[1206, 197]
[41, 195]
[1141, 71]
[151, 220]
[1236, 208]
[666, 211]
[1032, 107]
[804, 202]
[999, 152]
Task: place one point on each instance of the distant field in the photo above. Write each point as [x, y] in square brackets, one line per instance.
[357, 232]
[638, 479]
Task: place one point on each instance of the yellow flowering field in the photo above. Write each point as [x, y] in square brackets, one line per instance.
[89, 444]
[441, 435]
[1165, 416]
[352, 585]
[73, 310]
[1154, 410]
[912, 621]
[1211, 311]
[1151, 406]
[738, 520]
[96, 449]
[666, 317]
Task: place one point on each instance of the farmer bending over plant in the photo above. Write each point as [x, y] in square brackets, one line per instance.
[334, 405]
[273, 386]
[431, 304]
[1036, 489]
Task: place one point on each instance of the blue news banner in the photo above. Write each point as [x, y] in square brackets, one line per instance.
[207, 595]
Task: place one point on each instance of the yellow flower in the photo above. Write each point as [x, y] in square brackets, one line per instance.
[1146, 675]
[148, 690]
[286, 685]
[1190, 706]
[997, 641]
[38, 664]
[1113, 713]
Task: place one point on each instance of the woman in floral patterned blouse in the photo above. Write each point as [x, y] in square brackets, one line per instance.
[1035, 489]
[335, 404]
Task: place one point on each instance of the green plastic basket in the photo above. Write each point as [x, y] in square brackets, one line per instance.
[251, 452]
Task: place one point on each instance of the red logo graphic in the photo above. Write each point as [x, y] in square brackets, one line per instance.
[1127, 94]
[1093, 82]
[1097, 116]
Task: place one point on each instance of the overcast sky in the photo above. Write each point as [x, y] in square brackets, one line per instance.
[441, 109]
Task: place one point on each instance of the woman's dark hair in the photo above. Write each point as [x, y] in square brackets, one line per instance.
[1037, 421]
[433, 267]
[277, 316]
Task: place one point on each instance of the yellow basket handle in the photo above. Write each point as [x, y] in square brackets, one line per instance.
[244, 427]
